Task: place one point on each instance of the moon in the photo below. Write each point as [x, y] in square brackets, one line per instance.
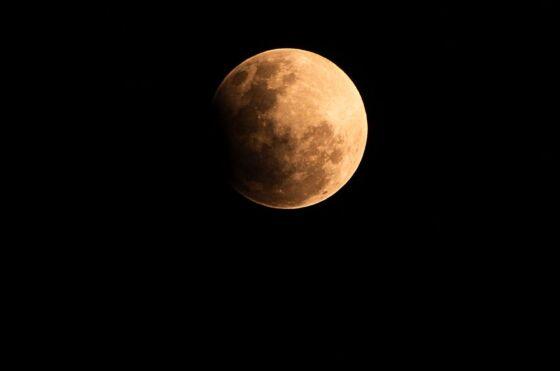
[295, 127]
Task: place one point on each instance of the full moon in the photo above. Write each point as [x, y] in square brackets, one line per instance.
[295, 126]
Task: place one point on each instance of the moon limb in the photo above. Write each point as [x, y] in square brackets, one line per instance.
[296, 127]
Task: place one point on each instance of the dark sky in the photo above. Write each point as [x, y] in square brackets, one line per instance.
[413, 262]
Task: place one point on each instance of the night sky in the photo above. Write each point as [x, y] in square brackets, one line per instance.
[414, 262]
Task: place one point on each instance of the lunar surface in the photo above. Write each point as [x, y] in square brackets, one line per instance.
[295, 125]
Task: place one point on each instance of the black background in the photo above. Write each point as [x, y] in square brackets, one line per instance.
[423, 258]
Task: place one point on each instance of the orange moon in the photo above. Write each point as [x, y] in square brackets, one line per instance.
[295, 126]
